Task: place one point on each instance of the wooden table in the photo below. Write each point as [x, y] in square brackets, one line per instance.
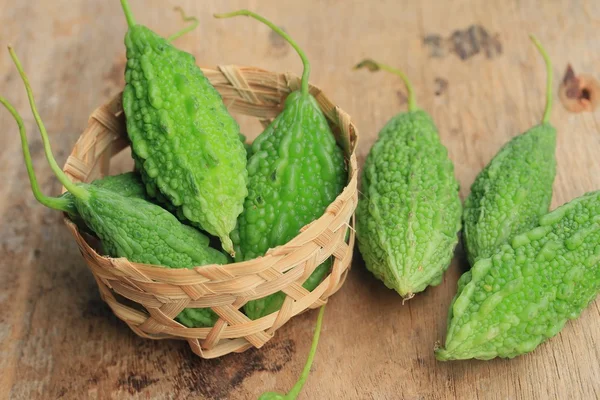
[483, 85]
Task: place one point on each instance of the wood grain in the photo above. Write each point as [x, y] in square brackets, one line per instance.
[473, 69]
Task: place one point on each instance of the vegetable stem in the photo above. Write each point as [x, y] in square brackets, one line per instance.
[57, 203]
[311, 355]
[189, 28]
[548, 108]
[283, 34]
[62, 177]
[372, 65]
[128, 13]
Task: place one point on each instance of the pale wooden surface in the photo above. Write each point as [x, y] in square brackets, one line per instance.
[57, 338]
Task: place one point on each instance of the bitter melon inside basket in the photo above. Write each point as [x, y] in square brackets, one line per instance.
[148, 298]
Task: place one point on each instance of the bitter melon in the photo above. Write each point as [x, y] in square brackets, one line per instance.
[408, 215]
[530, 287]
[515, 188]
[185, 142]
[295, 171]
[129, 227]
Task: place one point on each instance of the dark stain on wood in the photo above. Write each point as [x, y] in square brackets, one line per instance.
[568, 80]
[402, 98]
[215, 379]
[441, 85]
[135, 383]
[465, 43]
[436, 44]
[579, 92]
[279, 47]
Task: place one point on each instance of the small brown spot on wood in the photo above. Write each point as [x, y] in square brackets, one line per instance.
[9, 76]
[465, 43]
[36, 148]
[441, 85]
[135, 383]
[586, 94]
[579, 93]
[436, 44]
[402, 98]
[279, 46]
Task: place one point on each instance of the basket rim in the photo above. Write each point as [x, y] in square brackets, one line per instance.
[258, 264]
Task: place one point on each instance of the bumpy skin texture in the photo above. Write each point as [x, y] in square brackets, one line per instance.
[409, 215]
[128, 184]
[152, 190]
[145, 233]
[296, 170]
[184, 139]
[526, 292]
[511, 192]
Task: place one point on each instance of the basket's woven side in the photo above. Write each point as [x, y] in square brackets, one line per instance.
[162, 293]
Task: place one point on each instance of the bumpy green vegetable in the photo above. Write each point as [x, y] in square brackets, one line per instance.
[185, 142]
[128, 184]
[409, 215]
[526, 292]
[162, 200]
[515, 188]
[293, 394]
[295, 171]
[128, 227]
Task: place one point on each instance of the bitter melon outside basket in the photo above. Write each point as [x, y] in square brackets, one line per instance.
[148, 298]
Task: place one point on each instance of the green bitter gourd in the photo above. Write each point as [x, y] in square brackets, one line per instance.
[515, 188]
[530, 287]
[295, 171]
[293, 394]
[409, 214]
[162, 200]
[129, 227]
[184, 141]
[128, 184]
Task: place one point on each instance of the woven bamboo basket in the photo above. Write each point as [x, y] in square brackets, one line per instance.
[148, 298]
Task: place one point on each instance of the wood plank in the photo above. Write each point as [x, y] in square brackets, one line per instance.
[58, 339]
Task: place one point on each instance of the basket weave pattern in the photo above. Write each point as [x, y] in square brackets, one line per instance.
[161, 293]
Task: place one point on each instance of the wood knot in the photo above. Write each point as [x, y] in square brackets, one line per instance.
[579, 93]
